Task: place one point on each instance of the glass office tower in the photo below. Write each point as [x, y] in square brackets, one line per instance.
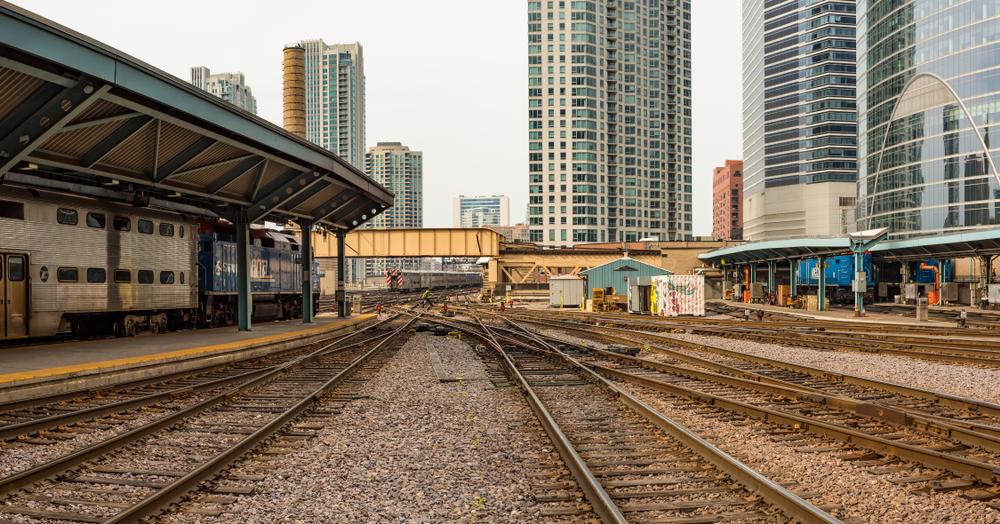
[928, 93]
[799, 128]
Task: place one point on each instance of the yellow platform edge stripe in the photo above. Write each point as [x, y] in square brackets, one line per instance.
[63, 370]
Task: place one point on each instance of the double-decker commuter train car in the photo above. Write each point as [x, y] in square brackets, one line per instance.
[400, 280]
[101, 267]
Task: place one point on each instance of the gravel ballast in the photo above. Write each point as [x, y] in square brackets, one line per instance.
[417, 450]
[868, 497]
[956, 379]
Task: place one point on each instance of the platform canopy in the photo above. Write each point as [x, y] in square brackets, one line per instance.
[767, 250]
[75, 109]
[984, 242]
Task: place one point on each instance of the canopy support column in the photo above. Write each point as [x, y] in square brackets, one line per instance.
[341, 291]
[307, 272]
[243, 296]
[771, 269]
[792, 267]
[821, 291]
[861, 243]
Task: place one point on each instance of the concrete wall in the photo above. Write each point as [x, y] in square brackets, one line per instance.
[809, 210]
[682, 257]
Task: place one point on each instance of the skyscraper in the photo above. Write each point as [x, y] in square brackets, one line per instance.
[480, 211]
[401, 171]
[799, 144]
[928, 93]
[609, 121]
[335, 98]
[231, 87]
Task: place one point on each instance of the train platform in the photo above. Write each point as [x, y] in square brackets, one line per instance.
[42, 369]
[843, 313]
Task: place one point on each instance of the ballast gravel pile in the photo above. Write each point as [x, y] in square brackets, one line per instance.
[418, 450]
[967, 381]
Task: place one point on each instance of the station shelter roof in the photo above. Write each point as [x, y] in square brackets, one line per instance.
[75, 109]
[982, 242]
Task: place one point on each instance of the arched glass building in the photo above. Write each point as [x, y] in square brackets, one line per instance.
[928, 96]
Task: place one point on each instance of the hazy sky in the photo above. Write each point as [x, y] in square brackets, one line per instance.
[446, 77]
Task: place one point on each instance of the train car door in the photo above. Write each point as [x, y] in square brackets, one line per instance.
[14, 283]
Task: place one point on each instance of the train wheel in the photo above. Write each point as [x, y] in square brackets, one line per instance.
[154, 328]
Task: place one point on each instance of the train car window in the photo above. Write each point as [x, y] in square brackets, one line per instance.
[167, 230]
[182, 277]
[15, 269]
[207, 246]
[123, 276]
[10, 209]
[181, 230]
[166, 277]
[97, 275]
[122, 224]
[145, 276]
[67, 216]
[145, 227]
[68, 274]
[96, 220]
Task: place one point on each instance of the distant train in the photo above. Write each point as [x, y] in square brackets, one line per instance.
[884, 278]
[100, 267]
[399, 280]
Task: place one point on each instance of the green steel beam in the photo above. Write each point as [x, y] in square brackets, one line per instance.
[115, 139]
[169, 168]
[47, 120]
[230, 176]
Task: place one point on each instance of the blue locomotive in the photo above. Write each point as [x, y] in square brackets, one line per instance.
[275, 275]
[884, 278]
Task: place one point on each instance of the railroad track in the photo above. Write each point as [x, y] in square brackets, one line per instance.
[618, 459]
[50, 419]
[143, 471]
[964, 460]
[926, 348]
[894, 400]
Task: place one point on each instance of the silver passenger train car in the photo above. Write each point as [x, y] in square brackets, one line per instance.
[95, 266]
[420, 280]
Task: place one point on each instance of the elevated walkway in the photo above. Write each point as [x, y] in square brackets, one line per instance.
[28, 371]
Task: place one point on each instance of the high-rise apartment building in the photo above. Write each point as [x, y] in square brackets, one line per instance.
[928, 93]
[231, 87]
[727, 201]
[799, 144]
[480, 211]
[401, 171]
[335, 99]
[609, 121]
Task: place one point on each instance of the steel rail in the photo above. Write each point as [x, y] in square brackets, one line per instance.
[67, 463]
[599, 499]
[177, 490]
[915, 348]
[804, 322]
[55, 421]
[981, 471]
[31, 402]
[789, 503]
[987, 437]
[944, 399]
[969, 433]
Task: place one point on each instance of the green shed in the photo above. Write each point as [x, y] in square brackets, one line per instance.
[616, 274]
